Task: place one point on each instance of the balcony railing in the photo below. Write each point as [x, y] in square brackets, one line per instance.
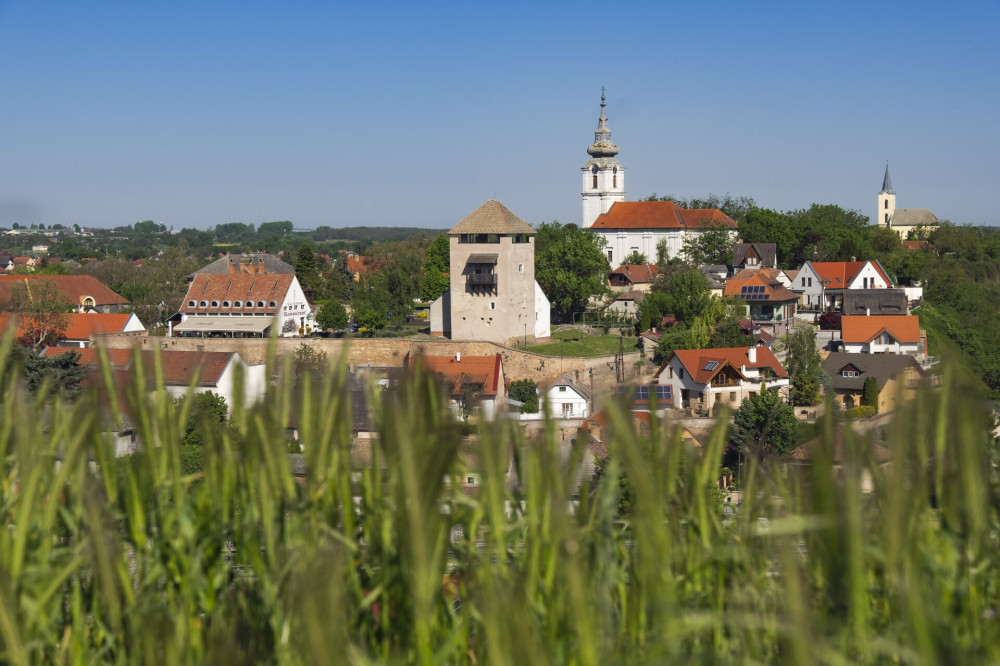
[482, 279]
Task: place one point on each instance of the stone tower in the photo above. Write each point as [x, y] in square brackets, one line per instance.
[493, 294]
[603, 175]
[886, 202]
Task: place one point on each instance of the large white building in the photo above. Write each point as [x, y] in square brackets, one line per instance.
[635, 226]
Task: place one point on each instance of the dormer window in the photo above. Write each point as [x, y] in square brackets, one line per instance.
[249, 304]
[272, 304]
[260, 304]
[225, 304]
[192, 304]
[203, 304]
[237, 304]
[215, 304]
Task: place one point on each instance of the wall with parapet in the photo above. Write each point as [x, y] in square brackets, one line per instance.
[375, 352]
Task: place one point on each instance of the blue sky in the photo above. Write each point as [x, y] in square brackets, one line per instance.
[412, 114]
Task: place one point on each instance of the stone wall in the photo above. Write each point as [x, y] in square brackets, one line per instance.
[518, 364]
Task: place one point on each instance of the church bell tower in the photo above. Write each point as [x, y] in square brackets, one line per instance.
[603, 175]
[886, 202]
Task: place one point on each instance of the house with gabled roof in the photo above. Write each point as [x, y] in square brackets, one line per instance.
[566, 398]
[881, 334]
[632, 277]
[484, 373]
[247, 301]
[84, 293]
[897, 375]
[703, 379]
[875, 302]
[82, 328]
[754, 255]
[821, 284]
[768, 300]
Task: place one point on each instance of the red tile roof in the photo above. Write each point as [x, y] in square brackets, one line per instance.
[74, 288]
[485, 370]
[636, 273]
[119, 359]
[232, 287]
[860, 328]
[775, 291]
[83, 326]
[695, 361]
[661, 215]
[836, 274]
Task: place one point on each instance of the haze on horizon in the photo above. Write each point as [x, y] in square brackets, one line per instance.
[399, 114]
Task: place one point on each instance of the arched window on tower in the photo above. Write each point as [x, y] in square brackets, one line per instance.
[887, 219]
[886, 204]
[614, 177]
[593, 170]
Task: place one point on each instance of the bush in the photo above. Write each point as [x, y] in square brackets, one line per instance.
[860, 412]
[829, 321]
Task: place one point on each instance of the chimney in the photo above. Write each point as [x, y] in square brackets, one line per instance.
[232, 265]
[853, 259]
[868, 312]
[752, 354]
[458, 357]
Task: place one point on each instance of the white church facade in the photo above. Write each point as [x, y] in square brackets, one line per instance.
[635, 226]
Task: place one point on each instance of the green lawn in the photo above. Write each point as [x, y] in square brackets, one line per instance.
[592, 345]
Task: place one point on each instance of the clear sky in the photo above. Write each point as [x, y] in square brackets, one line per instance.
[413, 113]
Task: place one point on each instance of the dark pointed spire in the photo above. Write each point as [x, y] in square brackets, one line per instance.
[886, 182]
[602, 146]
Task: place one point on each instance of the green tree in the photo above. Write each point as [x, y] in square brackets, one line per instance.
[61, 373]
[764, 426]
[805, 390]
[525, 391]
[687, 294]
[332, 315]
[370, 302]
[439, 254]
[869, 395]
[39, 310]
[306, 269]
[802, 356]
[435, 283]
[570, 267]
[635, 257]
[468, 395]
[713, 246]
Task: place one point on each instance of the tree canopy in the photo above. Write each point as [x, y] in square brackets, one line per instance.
[764, 426]
[570, 267]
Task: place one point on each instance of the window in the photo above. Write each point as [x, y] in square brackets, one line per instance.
[249, 304]
[718, 397]
[191, 304]
[886, 204]
[562, 389]
[225, 304]
[642, 393]
[593, 170]
[609, 258]
[520, 268]
[470, 480]
[849, 373]
[493, 305]
[595, 181]
[260, 304]
[887, 218]
[663, 393]
[614, 177]
[215, 304]
[732, 396]
[272, 304]
[680, 372]
[203, 304]
[670, 372]
[237, 304]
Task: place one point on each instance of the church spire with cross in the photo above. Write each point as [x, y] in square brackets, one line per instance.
[886, 201]
[603, 174]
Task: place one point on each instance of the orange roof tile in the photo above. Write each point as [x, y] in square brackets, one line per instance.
[775, 291]
[483, 370]
[636, 273]
[231, 288]
[695, 361]
[860, 328]
[660, 215]
[83, 326]
[836, 274]
[119, 359]
[74, 288]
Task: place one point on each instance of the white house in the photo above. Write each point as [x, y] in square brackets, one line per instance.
[881, 334]
[246, 301]
[705, 378]
[821, 284]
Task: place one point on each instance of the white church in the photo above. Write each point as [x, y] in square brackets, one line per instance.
[635, 226]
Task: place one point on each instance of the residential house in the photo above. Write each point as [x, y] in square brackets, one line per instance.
[247, 301]
[481, 376]
[768, 301]
[881, 334]
[702, 379]
[84, 293]
[754, 255]
[626, 304]
[757, 335]
[897, 377]
[632, 277]
[566, 398]
[821, 284]
[82, 328]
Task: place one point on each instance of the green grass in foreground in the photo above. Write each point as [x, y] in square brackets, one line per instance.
[135, 562]
[589, 345]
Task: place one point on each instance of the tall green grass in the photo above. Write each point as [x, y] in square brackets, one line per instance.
[132, 561]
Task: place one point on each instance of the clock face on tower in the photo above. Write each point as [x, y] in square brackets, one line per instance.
[593, 169]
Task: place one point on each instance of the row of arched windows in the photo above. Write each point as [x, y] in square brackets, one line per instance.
[236, 304]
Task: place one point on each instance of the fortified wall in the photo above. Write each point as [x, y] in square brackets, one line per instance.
[375, 352]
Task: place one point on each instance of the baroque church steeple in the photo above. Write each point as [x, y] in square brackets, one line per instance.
[603, 174]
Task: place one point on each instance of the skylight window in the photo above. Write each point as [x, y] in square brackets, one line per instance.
[711, 365]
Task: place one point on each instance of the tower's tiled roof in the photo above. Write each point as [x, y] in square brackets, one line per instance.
[492, 218]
